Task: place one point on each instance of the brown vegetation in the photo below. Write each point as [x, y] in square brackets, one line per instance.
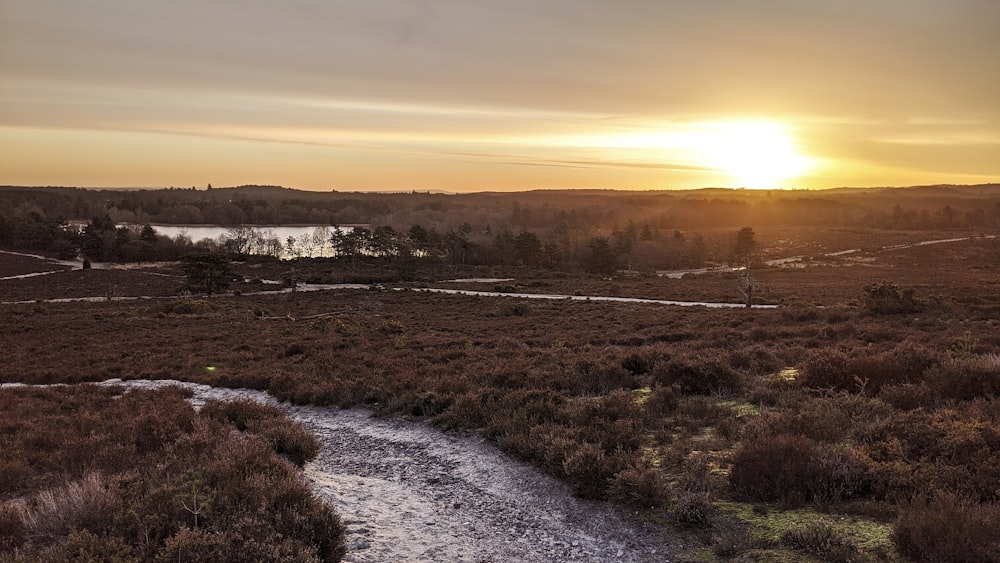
[848, 408]
[90, 474]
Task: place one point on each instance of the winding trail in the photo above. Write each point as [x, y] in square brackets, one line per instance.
[408, 492]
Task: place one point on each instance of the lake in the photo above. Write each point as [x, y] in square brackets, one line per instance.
[300, 233]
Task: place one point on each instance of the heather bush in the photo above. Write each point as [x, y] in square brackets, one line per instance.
[945, 527]
[241, 413]
[698, 412]
[828, 369]
[867, 372]
[699, 375]
[12, 528]
[637, 364]
[290, 440]
[589, 471]
[695, 473]
[755, 360]
[641, 485]
[465, 411]
[511, 308]
[613, 421]
[795, 469]
[909, 396]
[821, 420]
[178, 491]
[823, 541]
[83, 545]
[194, 545]
[905, 363]
[964, 380]
[691, 509]
[662, 402]
[602, 377]
[285, 437]
[887, 298]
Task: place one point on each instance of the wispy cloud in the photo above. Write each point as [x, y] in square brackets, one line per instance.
[507, 82]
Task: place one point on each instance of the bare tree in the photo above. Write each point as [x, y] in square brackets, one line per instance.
[747, 285]
[320, 239]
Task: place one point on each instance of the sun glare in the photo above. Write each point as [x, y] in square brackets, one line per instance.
[754, 154]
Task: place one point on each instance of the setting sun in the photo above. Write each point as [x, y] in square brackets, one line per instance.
[747, 153]
[396, 96]
[754, 154]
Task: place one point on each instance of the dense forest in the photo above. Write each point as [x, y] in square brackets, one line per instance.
[591, 230]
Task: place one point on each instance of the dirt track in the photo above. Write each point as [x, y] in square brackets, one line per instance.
[408, 492]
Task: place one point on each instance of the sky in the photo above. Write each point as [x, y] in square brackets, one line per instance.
[474, 95]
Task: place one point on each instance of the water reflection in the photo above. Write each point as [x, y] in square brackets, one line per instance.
[287, 241]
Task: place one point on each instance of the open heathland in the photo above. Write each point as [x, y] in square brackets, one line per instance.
[847, 424]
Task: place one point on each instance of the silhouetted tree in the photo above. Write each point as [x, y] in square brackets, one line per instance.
[601, 259]
[148, 234]
[207, 272]
[744, 246]
[528, 248]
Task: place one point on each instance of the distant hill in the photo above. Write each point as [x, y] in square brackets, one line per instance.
[938, 191]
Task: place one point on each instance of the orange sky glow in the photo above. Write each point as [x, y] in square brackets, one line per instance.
[479, 95]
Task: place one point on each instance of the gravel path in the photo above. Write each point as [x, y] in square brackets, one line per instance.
[408, 492]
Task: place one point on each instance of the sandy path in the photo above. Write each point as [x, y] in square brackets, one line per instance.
[408, 492]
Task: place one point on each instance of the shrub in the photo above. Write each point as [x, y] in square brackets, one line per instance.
[888, 298]
[827, 369]
[903, 364]
[822, 420]
[964, 380]
[641, 485]
[292, 350]
[964, 347]
[691, 510]
[194, 545]
[613, 422]
[662, 402]
[601, 377]
[909, 396]
[510, 308]
[465, 411]
[589, 471]
[794, 469]
[84, 546]
[636, 364]
[702, 376]
[823, 541]
[162, 467]
[755, 360]
[289, 439]
[391, 327]
[241, 413]
[948, 528]
[698, 412]
[285, 437]
[53, 513]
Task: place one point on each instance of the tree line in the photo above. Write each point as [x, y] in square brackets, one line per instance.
[633, 247]
[596, 210]
[591, 230]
